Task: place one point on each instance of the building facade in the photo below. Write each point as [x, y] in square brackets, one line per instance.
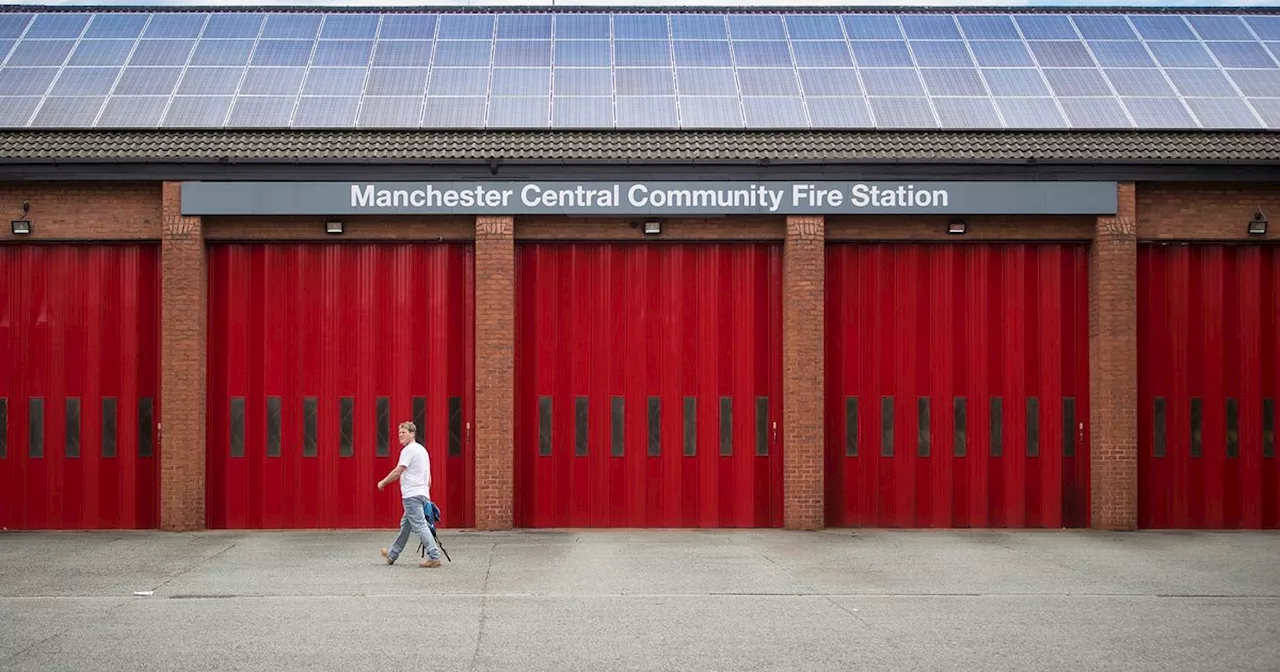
[218, 322]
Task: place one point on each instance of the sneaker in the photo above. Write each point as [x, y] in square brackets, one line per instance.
[387, 556]
[430, 562]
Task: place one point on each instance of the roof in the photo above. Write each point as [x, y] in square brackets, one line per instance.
[1151, 147]
[798, 68]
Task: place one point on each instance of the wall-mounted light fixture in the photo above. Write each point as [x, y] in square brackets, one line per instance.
[956, 226]
[333, 226]
[21, 227]
[1258, 224]
[653, 226]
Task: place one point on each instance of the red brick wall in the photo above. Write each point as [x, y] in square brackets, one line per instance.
[183, 289]
[1192, 211]
[983, 228]
[803, 282]
[495, 371]
[703, 228]
[445, 229]
[1113, 369]
[82, 210]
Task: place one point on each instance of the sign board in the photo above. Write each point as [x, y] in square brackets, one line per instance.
[671, 199]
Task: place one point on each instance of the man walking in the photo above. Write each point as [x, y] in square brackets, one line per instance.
[414, 473]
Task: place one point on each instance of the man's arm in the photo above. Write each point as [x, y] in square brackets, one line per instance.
[391, 477]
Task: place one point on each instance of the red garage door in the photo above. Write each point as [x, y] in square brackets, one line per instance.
[316, 353]
[648, 385]
[79, 335]
[956, 385]
[1209, 324]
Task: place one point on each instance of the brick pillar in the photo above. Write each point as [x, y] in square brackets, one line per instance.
[803, 281]
[495, 371]
[183, 288]
[1113, 368]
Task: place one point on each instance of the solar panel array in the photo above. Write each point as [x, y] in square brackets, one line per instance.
[231, 69]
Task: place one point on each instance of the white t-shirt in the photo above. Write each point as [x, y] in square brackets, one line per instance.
[417, 471]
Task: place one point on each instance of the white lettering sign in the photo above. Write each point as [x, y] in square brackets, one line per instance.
[650, 197]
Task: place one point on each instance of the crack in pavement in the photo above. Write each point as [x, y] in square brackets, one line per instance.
[193, 566]
[484, 597]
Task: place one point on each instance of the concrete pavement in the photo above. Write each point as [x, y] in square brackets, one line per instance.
[643, 600]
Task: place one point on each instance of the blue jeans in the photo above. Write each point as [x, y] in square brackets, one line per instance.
[414, 521]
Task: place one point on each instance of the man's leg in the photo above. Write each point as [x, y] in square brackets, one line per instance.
[413, 512]
[405, 529]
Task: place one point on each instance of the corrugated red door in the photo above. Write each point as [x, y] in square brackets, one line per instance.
[79, 333]
[956, 385]
[648, 385]
[1208, 366]
[317, 352]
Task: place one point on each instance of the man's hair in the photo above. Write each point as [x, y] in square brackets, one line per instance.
[413, 429]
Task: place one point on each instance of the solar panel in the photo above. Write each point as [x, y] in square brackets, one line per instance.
[400, 53]
[968, 112]
[1223, 113]
[581, 112]
[175, 26]
[524, 27]
[646, 111]
[342, 53]
[223, 52]
[582, 27]
[892, 82]
[26, 81]
[326, 112]
[519, 112]
[521, 82]
[826, 54]
[147, 81]
[1030, 113]
[710, 112]
[262, 111]
[903, 113]
[1268, 110]
[582, 53]
[338, 82]
[703, 53]
[68, 111]
[197, 111]
[457, 82]
[456, 112]
[757, 27]
[232, 25]
[830, 82]
[877, 69]
[585, 82]
[16, 110]
[774, 112]
[1158, 113]
[101, 52]
[272, 81]
[644, 82]
[389, 111]
[133, 112]
[988, 27]
[30, 53]
[85, 82]
[953, 82]
[349, 27]
[839, 113]
[1015, 82]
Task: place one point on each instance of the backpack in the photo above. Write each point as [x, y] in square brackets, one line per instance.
[432, 513]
